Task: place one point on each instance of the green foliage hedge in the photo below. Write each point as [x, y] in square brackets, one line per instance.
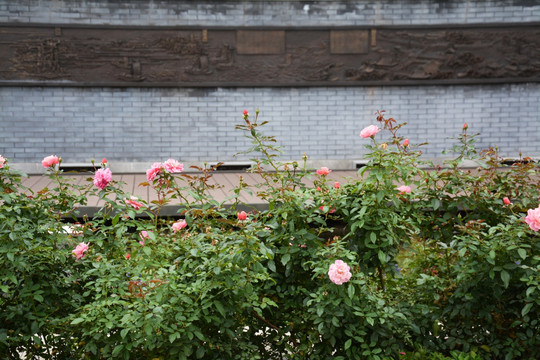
[444, 264]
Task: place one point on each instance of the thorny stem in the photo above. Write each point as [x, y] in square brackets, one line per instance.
[381, 278]
[262, 147]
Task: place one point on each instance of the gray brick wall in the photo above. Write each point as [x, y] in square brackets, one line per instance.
[268, 13]
[196, 125]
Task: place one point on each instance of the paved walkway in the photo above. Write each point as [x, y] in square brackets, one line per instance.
[130, 183]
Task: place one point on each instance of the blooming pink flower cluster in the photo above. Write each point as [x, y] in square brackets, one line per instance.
[403, 189]
[133, 201]
[323, 171]
[533, 218]
[80, 250]
[171, 166]
[143, 235]
[49, 161]
[179, 225]
[339, 272]
[2, 161]
[369, 131]
[102, 178]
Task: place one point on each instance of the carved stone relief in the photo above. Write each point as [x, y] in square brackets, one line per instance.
[206, 57]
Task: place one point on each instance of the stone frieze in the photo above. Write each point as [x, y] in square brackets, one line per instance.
[266, 57]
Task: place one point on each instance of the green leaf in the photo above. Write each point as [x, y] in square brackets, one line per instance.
[117, 350]
[350, 290]
[148, 329]
[526, 309]
[505, 277]
[373, 237]
[522, 253]
[285, 259]
[348, 344]
[172, 337]
[382, 257]
[462, 251]
[219, 308]
[199, 335]
[38, 297]
[123, 333]
[272, 265]
[77, 321]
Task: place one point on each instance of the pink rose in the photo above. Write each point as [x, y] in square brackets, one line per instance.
[143, 235]
[50, 161]
[533, 218]
[506, 201]
[173, 166]
[2, 161]
[133, 202]
[337, 185]
[465, 126]
[406, 143]
[339, 272]
[127, 256]
[403, 189]
[369, 131]
[246, 113]
[153, 171]
[242, 216]
[79, 250]
[102, 178]
[179, 225]
[323, 171]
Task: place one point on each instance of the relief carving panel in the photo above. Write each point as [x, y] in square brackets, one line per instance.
[257, 57]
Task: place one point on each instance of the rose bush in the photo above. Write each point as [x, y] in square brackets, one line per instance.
[443, 267]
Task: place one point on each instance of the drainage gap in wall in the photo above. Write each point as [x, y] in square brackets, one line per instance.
[77, 168]
[511, 162]
[360, 164]
[232, 167]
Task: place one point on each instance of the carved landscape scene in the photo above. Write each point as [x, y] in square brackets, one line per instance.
[211, 57]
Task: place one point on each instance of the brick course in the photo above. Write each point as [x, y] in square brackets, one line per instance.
[147, 125]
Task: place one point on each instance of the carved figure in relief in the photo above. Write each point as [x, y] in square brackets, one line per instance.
[40, 59]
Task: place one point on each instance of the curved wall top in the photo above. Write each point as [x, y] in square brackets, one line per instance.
[268, 13]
